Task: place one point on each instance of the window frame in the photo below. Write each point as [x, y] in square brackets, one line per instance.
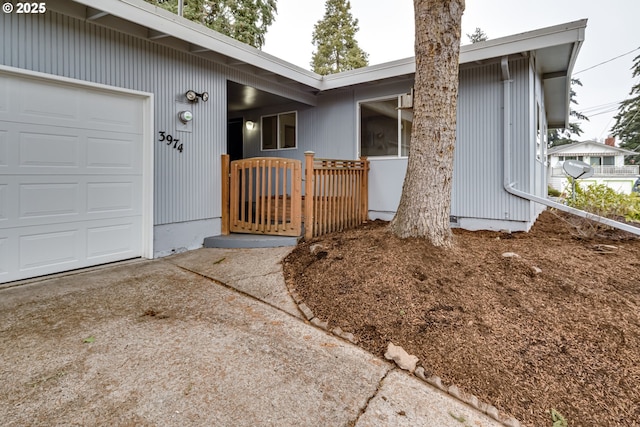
[398, 124]
[279, 143]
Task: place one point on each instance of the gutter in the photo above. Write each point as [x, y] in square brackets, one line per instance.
[509, 186]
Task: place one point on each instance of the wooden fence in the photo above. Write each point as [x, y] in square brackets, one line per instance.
[336, 194]
[263, 195]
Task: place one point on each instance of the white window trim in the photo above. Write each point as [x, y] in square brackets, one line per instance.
[359, 123]
[278, 133]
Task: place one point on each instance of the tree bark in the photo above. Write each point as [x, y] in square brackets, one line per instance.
[425, 203]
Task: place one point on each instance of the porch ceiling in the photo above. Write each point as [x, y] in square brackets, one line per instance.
[242, 98]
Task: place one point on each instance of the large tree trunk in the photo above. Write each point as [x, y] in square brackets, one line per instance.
[426, 194]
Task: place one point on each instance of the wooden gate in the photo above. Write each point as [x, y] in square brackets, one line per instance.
[265, 195]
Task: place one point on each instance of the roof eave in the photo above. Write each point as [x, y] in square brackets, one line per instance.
[570, 32]
[201, 38]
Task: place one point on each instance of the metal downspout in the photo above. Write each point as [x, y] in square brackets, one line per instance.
[509, 186]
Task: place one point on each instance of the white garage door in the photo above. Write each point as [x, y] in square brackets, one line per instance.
[71, 176]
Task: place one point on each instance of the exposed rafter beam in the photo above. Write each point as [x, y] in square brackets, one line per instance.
[555, 75]
[93, 14]
[198, 49]
[155, 35]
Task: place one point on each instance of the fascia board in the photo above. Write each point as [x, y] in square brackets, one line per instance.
[158, 19]
[598, 148]
[369, 74]
[571, 32]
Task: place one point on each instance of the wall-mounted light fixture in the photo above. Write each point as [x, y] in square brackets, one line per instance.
[193, 96]
[185, 116]
[250, 125]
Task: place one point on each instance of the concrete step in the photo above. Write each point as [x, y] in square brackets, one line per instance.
[238, 240]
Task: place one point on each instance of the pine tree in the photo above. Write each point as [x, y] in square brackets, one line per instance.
[627, 125]
[334, 38]
[477, 36]
[244, 20]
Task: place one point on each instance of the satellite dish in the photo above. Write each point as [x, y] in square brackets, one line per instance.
[577, 169]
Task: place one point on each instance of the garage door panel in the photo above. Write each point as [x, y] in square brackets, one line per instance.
[113, 113]
[48, 149]
[44, 200]
[39, 250]
[4, 149]
[37, 199]
[50, 249]
[5, 258]
[4, 202]
[52, 102]
[4, 97]
[117, 151]
[111, 242]
[111, 197]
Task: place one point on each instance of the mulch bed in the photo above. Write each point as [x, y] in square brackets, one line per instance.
[566, 338]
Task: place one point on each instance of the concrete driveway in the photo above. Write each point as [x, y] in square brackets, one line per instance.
[209, 337]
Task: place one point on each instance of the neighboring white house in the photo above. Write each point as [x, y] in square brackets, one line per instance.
[606, 159]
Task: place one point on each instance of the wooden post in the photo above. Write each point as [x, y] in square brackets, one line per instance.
[308, 195]
[225, 194]
[365, 190]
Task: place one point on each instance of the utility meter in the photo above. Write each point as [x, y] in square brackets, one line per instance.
[185, 116]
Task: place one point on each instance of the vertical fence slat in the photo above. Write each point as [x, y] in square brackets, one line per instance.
[268, 226]
[309, 195]
[224, 170]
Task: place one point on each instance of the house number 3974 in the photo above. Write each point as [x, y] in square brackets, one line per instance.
[170, 140]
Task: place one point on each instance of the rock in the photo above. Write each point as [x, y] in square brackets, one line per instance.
[606, 249]
[349, 337]
[403, 359]
[510, 255]
[472, 400]
[436, 382]
[492, 411]
[306, 311]
[511, 422]
[455, 392]
[535, 269]
[315, 248]
[420, 373]
[319, 323]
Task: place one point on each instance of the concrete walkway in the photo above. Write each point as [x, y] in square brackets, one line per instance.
[207, 337]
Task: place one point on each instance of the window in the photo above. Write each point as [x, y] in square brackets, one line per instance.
[563, 158]
[385, 130]
[602, 161]
[279, 131]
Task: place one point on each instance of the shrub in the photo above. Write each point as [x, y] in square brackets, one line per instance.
[553, 192]
[605, 201]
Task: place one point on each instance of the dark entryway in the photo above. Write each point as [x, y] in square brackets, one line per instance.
[235, 138]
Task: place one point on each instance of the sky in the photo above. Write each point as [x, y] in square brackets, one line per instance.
[386, 34]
